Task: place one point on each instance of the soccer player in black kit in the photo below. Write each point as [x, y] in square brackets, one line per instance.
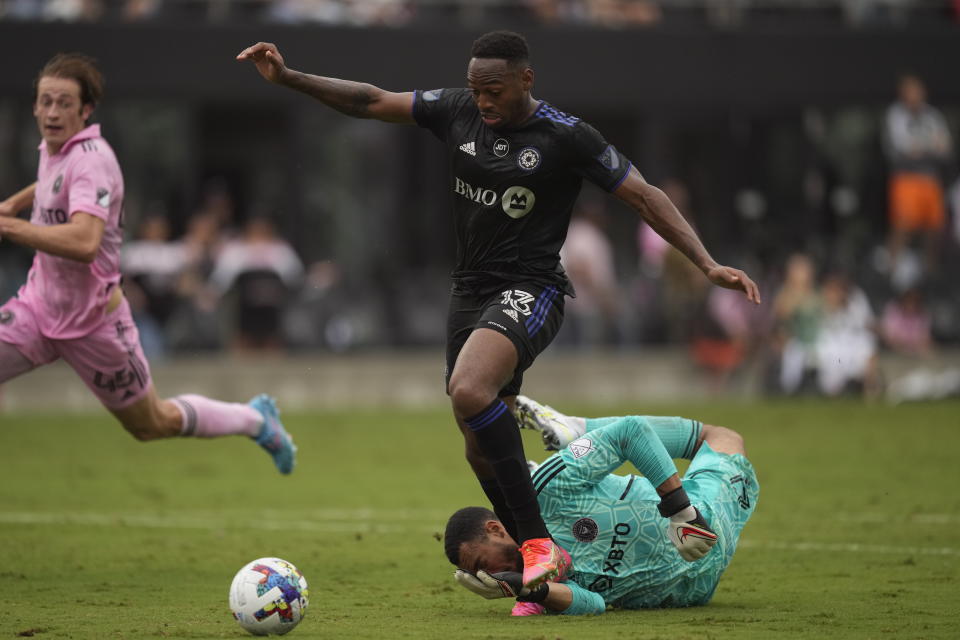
[517, 164]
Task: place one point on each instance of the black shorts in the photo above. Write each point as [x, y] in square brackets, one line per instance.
[528, 313]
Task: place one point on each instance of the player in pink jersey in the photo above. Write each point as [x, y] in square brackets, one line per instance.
[72, 305]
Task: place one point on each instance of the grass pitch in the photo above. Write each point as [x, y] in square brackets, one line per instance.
[104, 537]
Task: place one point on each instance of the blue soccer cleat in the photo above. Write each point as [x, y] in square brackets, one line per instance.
[273, 437]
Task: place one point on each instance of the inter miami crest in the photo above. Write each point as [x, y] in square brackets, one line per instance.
[585, 530]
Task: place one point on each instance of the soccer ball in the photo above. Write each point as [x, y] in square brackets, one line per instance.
[268, 597]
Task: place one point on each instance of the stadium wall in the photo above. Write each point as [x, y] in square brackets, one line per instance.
[414, 379]
[617, 70]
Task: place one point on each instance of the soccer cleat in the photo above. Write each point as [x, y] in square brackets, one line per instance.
[556, 429]
[543, 560]
[527, 609]
[273, 437]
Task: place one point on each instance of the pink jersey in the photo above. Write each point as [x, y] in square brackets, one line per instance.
[69, 298]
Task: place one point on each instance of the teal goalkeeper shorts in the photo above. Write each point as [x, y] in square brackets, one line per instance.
[725, 489]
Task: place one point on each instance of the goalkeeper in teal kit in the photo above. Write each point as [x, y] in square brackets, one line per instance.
[636, 542]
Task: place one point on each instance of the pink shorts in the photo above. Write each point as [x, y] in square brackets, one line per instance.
[109, 359]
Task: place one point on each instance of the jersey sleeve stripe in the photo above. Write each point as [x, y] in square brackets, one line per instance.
[547, 480]
[545, 468]
[622, 178]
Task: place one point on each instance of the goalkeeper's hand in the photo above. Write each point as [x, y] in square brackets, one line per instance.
[692, 538]
[506, 584]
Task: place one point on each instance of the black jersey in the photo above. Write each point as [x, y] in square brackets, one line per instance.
[513, 191]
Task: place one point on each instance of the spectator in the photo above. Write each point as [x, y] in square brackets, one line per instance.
[587, 257]
[846, 342]
[151, 265]
[720, 340]
[918, 147]
[195, 323]
[263, 270]
[796, 310]
[905, 324]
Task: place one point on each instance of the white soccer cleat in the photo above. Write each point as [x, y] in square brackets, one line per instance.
[556, 429]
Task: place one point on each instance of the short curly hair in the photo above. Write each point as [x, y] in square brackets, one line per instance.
[503, 45]
[466, 525]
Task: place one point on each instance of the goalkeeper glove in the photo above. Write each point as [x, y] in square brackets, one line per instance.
[687, 529]
[506, 584]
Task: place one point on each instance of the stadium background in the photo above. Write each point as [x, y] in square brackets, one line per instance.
[762, 119]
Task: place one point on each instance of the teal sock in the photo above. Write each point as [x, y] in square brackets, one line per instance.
[678, 435]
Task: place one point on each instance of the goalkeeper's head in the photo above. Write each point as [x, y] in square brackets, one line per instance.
[476, 539]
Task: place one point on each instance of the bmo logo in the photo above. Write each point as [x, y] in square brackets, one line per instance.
[478, 194]
[517, 201]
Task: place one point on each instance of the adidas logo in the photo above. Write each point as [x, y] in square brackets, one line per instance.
[512, 314]
[469, 147]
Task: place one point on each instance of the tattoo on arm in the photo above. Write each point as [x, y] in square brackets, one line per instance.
[347, 97]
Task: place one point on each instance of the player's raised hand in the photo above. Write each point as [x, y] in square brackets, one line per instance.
[692, 538]
[730, 278]
[266, 57]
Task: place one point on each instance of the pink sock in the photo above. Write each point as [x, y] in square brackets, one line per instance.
[206, 418]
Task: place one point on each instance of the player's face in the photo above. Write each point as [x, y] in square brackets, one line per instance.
[59, 111]
[492, 555]
[500, 91]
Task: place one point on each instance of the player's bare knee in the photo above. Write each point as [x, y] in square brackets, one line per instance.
[723, 439]
[468, 399]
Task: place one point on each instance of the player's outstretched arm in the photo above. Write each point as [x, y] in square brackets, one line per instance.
[78, 239]
[356, 99]
[660, 213]
[18, 201]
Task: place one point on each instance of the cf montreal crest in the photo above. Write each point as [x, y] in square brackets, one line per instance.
[528, 159]
[585, 530]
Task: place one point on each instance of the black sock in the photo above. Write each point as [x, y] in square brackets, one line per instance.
[491, 488]
[499, 439]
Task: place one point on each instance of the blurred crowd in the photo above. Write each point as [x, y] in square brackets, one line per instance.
[850, 269]
[398, 13]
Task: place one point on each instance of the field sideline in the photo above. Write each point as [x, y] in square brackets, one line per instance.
[104, 537]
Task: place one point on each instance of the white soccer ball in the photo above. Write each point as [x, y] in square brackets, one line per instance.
[268, 597]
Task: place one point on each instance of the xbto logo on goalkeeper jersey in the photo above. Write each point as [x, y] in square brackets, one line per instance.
[615, 555]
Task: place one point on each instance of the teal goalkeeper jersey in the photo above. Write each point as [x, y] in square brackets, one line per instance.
[615, 534]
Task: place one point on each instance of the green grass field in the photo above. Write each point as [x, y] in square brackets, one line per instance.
[104, 537]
